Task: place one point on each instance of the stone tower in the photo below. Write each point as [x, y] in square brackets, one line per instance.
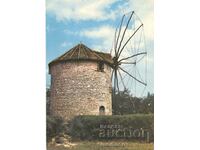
[81, 83]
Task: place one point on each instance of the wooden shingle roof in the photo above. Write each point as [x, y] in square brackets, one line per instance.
[82, 52]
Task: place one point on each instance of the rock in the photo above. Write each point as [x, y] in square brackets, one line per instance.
[59, 140]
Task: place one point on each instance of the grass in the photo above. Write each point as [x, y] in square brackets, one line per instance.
[112, 145]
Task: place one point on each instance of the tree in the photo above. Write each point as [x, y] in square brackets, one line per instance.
[125, 103]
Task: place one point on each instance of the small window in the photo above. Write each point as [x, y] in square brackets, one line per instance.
[102, 110]
[100, 66]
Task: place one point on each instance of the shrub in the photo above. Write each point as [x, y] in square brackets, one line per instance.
[109, 127]
[55, 126]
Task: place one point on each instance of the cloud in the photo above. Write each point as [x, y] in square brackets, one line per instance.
[64, 44]
[69, 32]
[99, 10]
[103, 34]
[80, 10]
[149, 25]
[103, 39]
[145, 10]
[99, 32]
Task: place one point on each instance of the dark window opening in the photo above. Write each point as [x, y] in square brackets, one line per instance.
[100, 66]
[102, 110]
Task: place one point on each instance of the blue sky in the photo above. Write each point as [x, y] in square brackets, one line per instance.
[93, 23]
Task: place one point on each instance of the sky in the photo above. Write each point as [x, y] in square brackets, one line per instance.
[93, 23]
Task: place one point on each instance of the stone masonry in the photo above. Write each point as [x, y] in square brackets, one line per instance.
[78, 88]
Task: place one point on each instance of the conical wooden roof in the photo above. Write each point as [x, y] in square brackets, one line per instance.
[82, 52]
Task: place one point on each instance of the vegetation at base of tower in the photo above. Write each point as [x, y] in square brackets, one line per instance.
[54, 126]
[103, 127]
[112, 127]
[124, 103]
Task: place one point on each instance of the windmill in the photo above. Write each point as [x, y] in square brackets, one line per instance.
[129, 54]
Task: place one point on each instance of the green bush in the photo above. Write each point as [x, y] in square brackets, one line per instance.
[55, 126]
[112, 127]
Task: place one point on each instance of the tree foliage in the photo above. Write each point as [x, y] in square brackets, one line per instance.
[125, 103]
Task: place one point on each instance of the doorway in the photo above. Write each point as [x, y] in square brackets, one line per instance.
[101, 110]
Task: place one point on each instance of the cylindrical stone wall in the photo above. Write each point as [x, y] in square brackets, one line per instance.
[78, 88]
